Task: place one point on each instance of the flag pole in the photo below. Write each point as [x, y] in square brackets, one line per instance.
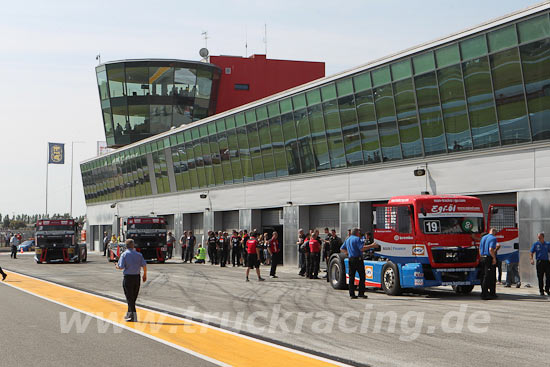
[47, 165]
[72, 156]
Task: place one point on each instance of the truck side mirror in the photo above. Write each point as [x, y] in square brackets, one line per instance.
[494, 210]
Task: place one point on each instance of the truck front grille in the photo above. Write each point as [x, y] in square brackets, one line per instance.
[454, 255]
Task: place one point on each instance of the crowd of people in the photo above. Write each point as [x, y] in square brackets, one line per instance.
[238, 249]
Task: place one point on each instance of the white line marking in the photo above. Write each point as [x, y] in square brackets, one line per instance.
[322, 359]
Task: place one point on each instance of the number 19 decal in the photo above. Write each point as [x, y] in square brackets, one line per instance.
[432, 226]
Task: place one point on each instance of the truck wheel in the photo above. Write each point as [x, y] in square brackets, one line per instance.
[85, 258]
[463, 289]
[390, 279]
[337, 273]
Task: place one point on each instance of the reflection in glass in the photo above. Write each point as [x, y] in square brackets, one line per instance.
[216, 159]
[235, 155]
[137, 81]
[267, 149]
[407, 121]
[244, 153]
[334, 134]
[116, 81]
[183, 114]
[509, 98]
[204, 84]
[535, 58]
[291, 144]
[139, 120]
[255, 152]
[427, 97]
[161, 80]
[161, 118]
[318, 138]
[191, 164]
[199, 162]
[277, 142]
[385, 111]
[108, 122]
[207, 159]
[479, 95]
[350, 130]
[307, 158]
[367, 127]
[121, 124]
[102, 84]
[453, 102]
[185, 81]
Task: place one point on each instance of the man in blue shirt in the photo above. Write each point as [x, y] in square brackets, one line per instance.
[488, 252]
[131, 263]
[512, 273]
[541, 249]
[353, 247]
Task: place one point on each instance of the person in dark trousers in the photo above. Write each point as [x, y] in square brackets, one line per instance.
[190, 249]
[106, 240]
[326, 246]
[253, 254]
[274, 251]
[244, 240]
[14, 243]
[4, 275]
[541, 249]
[353, 248]
[235, 249]
[212, 243]
[315, 248]
[306, 251]
[170, 240]
[183, 244]
[302, 257]
[488, 248]
[223, 242]
[334, 246]
[131, 263]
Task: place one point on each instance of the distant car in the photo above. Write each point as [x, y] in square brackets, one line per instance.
[26, 246]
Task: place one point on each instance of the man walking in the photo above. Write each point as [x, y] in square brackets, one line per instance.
[190, 250]
[14, 243]
[541, 249]
[488, 248]
[170, 239]
[274, 251]
[4, 275]
[131, 263]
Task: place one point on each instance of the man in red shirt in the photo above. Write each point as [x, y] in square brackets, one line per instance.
[315, 255]
[274, 251]
[253, 256]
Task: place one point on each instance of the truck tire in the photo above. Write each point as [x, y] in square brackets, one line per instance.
[390, 279]
[337, 273]
[463, 289]
[85, 258]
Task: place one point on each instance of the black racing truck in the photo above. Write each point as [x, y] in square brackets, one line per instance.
[149, 235]
[57, 241]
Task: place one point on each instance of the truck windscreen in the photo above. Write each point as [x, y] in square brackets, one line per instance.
[451, 225]
[54, 228]
[147, 226]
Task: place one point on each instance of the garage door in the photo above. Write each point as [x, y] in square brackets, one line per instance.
[230, 220]
[272, 217]
[321, 216]
[197, 226]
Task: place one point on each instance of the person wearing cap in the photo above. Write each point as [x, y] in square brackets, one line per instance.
[131, 263]
[540, 249]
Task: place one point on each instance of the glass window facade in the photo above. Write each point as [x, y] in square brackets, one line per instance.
[152, 96]
[488, 90]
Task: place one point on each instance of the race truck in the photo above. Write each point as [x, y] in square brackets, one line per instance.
[56, 241]
[425, 241]
[149, 235]
[503, 217]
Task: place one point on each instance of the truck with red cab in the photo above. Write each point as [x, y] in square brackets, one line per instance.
[57, 241]
[425, 241]
[149, 235]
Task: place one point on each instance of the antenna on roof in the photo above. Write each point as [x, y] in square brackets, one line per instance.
[98, 58]
[205, 35]
[245, 42]
[265, 37]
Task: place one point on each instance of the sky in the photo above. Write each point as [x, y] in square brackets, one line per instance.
[48, 56]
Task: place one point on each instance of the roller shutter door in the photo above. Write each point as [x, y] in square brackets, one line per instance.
[321, 216]
[230, 220]
[272, 217]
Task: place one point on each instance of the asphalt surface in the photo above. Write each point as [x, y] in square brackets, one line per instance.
[420, 329]
[32, 335]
